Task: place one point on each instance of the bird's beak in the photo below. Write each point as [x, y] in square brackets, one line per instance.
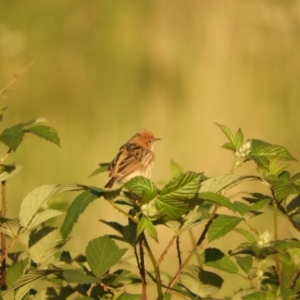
[157, 139]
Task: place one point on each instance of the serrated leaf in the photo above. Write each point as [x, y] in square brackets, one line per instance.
[27, 281]
[10, 226]
[43, 250]
[15, 271]
[239, 139]
[230, 137]
[102, 253]
[260, 148]
[34, 201]
[116, 226]
[77, 276]
[182, 187]
[43, 216]
[7, 171]
[176, 169]
[244, 262]
[221, 226]
[240, 207]
[224, 182]
[191, 219]
[170, 208]
[76, 208]
[146, 224]
[13, 136]
[259, 204]
[213, 257]
[45, 132]
[141, 186]
[217, 198]
[103, 167]
[200, 282]
[246, 234]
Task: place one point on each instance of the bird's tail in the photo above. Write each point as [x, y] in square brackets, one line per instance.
[110, 183]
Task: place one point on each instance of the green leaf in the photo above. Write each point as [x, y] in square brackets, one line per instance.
[33, 202]
[239, 139]
[221, 226]
[15, 271]
[246, 234]
[7, 171]
[240, 207]
[244, 262]
[45, 243]
[76, 208]
[217, 198]
[176, 169]
[256, 296]
[191, 219]
[200, 282]
[13, 136]
[146, 224]
[182, 187]
[224, 182]
[43, 216]
[77, 276]
[213, 257]
[102, 253]
[259, 204]
[170, 208]
[28, 281]
[10, 226]
[263, 149]
[103, 168]
[230, 137]
[141, 186]
[45, 132]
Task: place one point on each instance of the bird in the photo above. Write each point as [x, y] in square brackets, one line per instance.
[135, 158]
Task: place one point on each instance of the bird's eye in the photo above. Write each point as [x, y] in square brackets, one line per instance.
[150, 141]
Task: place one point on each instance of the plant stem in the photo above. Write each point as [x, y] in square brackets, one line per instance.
[142, 269]
[199, 242]
[122, 211]
[3, 236]
[156, 268]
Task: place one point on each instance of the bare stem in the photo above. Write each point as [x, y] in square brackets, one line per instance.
[3, 236]
[199, 242]
[156, 268]
[16, 76]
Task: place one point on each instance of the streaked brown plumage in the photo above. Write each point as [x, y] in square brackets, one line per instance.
[135, 158]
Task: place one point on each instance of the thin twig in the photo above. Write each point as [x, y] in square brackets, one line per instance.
[16, 76]
[142, 268]
[178, 251]
[199, 242]
[155, 266]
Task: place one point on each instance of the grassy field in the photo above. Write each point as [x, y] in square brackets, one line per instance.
[104, 69]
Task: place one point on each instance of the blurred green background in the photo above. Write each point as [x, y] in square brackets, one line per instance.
[105, 69]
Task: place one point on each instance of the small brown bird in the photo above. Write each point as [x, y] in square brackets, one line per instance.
[135, 158]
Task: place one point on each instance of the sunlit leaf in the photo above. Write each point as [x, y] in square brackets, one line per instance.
[140, 185]
[45, 132]
[244, 262]
[246, 234]
[10, 226]
[171, 208]
[102, 253]
[230, 137]
[146, 224]
[221, 226]
[103, 167]
[43, 216]
[217, 198]
[76, 208]
[77, 276]
[15, 271]
[46, 242]
[213, 257]
[200, 282]
[182, 187]
[34, 201]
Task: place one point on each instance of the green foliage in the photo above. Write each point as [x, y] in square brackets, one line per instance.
[189, 200]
